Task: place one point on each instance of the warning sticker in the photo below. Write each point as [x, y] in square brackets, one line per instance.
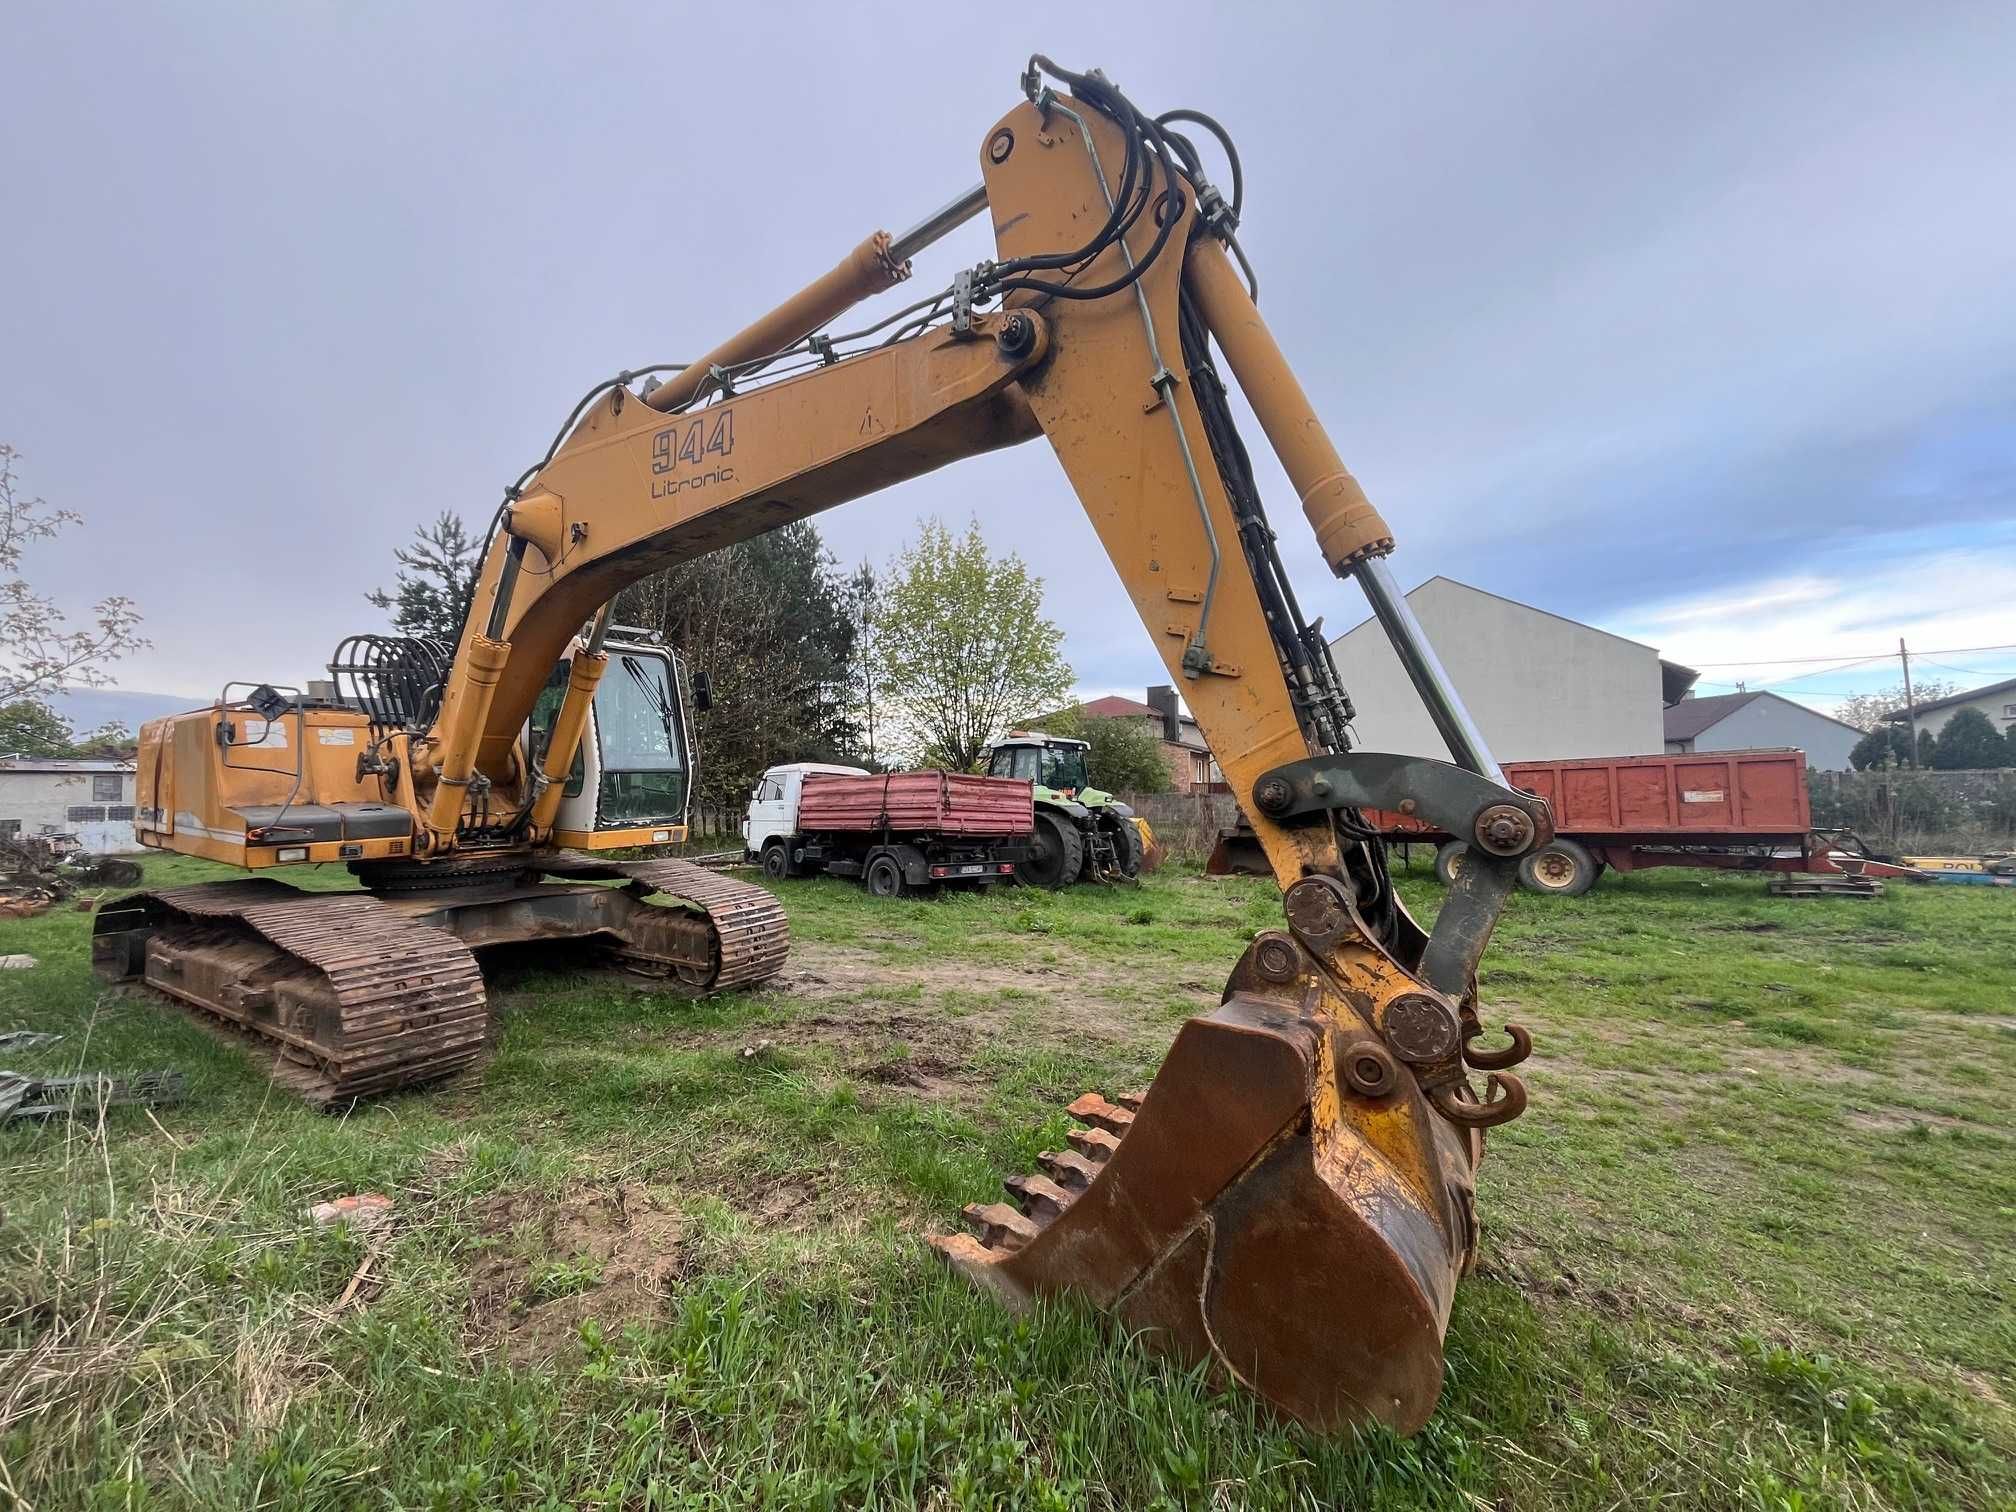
[1703, 795]
[337, 737]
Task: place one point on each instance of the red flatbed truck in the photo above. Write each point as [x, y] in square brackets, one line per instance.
[896, 831]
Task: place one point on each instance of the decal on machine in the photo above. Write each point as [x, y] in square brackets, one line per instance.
[684, 455]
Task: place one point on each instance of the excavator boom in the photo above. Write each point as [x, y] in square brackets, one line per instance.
[1292, 1199]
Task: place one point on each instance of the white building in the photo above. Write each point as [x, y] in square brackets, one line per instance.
[1760, 721]
[1997, 701]
[93, 800]
[1539, 686]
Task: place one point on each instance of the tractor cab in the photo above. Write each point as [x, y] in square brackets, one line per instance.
[1082, 832]
[1054, 763]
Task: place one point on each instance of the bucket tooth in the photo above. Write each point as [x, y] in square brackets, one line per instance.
[1101, 1114]
[1041, 1198]
[1093, 1144]
[999, 1226]
[1069, 1169]
[1257, 1218]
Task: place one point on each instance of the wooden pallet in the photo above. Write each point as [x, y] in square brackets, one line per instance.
[1825, 887]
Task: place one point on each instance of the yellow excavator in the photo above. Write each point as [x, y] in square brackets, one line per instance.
[1292, 1199]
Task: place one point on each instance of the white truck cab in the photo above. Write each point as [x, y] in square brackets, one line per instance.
[773, 807]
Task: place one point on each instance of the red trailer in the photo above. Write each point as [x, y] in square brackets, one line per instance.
[1740, 810]
[896, 831]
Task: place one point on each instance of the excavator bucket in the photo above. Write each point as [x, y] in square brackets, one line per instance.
[1236, 1215]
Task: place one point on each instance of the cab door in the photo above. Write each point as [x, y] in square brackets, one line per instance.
[773, 811]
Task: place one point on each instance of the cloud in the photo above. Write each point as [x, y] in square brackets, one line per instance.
[1815, 638]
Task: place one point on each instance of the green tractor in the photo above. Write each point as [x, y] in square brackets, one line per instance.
[1082, 834]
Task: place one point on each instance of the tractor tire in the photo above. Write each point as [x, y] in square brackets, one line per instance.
[1057, 851]
[884, 878]
[1127, 849]
[1449, 861]
[1560, 867]
[776, 860]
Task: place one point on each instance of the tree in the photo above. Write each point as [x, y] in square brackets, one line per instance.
[774, 626]
[113, 740]
[863, 608]
[28, 728]
[1969, 743]
[962, 645]
[2009, 739]
[1125, 754]
[40, 653]
[431, 589]
[1927, 747]
[1884, 746]
[1867, 711]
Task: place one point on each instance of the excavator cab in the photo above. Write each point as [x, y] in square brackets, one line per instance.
[633, 767]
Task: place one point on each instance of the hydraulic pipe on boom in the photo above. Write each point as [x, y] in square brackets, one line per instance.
[1350, 531]
[869, 269]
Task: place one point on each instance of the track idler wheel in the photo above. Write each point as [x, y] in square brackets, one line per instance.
[1257, 1209]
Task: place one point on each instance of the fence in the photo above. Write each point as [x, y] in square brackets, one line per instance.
[1919, 812]
[1925, 813]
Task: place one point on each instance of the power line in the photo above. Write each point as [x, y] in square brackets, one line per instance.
[1783, 661]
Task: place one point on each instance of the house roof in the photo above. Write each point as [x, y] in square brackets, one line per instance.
[1113, 706]
[1968, 697]
[1516, 603]
[60, 764]
[1116, 706]
[1690, 716]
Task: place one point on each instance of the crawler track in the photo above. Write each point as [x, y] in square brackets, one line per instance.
[348, 995]
[751, 934]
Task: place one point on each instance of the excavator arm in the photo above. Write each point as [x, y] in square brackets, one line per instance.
[1293, 1198]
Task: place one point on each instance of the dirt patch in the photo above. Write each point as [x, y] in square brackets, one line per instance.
[611, 1254]
[927, 1076]
[1077, 999]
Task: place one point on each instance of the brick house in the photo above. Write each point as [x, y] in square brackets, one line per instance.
[1191, 769]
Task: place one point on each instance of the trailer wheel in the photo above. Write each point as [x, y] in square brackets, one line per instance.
[884, 878]
[1561, 867]
[776, 860]
[1449, 861]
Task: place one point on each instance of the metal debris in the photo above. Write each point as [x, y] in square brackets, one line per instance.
[51, 1096]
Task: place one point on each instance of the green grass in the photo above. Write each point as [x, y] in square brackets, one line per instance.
[1749, 1248]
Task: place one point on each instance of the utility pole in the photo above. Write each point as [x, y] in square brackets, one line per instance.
[1910, 703]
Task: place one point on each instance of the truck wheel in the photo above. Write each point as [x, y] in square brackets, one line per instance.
[1057, 850]
[776, 860]
[884, 878]
[1449, 861]
[1561, 867]
[1127, 848]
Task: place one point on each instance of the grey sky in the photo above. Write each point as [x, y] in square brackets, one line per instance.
[1627, 310]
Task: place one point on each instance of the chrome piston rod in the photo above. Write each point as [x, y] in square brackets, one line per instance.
[1424, 667]
[939, 224]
